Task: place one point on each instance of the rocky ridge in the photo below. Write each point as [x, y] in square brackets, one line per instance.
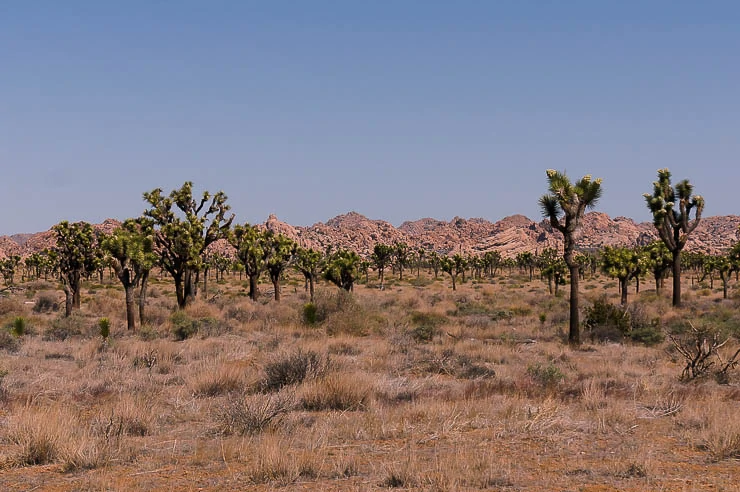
[511, 235]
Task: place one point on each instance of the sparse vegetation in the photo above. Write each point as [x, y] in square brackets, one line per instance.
[415, 386]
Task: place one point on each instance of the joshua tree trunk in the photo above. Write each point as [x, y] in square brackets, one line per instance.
[179, 291]
[574, 332]
[623, 290]
[311, 288]
[253, 289]
[68, 304]
[676, 268]
[276, 286]
[142, 296]
[130, 307]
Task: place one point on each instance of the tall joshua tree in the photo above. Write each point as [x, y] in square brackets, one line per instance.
[280, 255]
[253, 253]
[565, 205]
[382, 257]
[308, 261]
[185, 227]
[131, 255]
[622, 263]
[674, 226]
[75, 252]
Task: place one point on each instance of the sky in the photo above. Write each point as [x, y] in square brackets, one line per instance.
[396, 109]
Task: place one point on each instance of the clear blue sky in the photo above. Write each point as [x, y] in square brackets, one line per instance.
[398, 109]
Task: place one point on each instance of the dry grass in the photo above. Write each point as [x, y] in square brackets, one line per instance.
[415, 387]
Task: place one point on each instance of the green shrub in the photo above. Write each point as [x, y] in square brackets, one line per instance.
[547, 376]
[46, 303]
[8, 342]
[18, 327]
[64, 327]
[423, 333]
[310, 313]
[104, 326]
[183, 326]
[292, 369]
[608, 322]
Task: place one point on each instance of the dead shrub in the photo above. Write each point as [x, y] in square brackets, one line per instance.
[252, 414]
[293, 368]
[10, 306]
[209, 381]
[336, 392]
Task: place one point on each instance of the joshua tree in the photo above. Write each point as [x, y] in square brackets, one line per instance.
[75, 252]
[565, 205]
[659, 262]
[252, 252]
[8, 267]
[382, 257]
[622, 263]
[308, 262]
[401, 257]
[279, 256]
[674, 226]
[553, 268]
[493, 261]
[182, 237]
[342, 268]
[454, 265]
[434, 263]
[131, 251]
[525, 260]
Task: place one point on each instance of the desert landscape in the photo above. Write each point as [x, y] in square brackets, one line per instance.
[384, 375]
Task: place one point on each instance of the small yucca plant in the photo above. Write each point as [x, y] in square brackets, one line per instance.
[18, 328]
[104, 325]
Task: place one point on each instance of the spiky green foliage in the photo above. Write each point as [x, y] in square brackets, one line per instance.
[671, 208]
[342, 268]
[75, 251]
[553, 268]
[493, 261]
[659, 262]
[280, 250]
[621, 263]
[454, 266]
[381, 257]
[401, 257]
[252, 252]
[564, 206]
[8, 267]
[185, 227]
[130, 249]
[309, 262]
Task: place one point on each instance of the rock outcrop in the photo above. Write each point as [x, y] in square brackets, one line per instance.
[511, 235]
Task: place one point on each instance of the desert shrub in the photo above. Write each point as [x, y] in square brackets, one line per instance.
[547, 376]
[9, 306]
[183, 326]
[104, 327]
[430, 319]
[252, 414]
[63, 328]
[19, 327]
[341, 392]
[8, 342]
[310, 314]
[460, 366]
[210, 381]
[423, 333]
[344, 348]
[605, 321]
[292, 368]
